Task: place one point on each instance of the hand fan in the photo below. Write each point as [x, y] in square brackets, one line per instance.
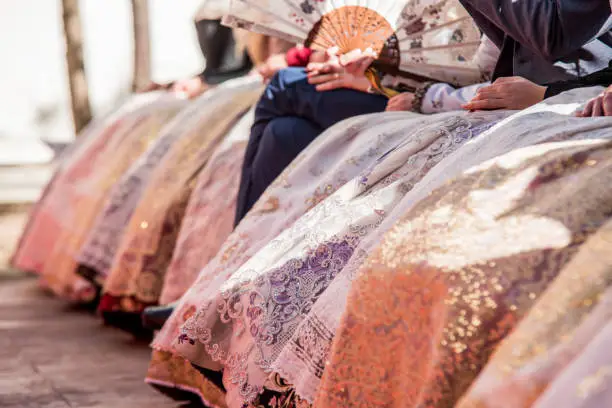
[419, 39]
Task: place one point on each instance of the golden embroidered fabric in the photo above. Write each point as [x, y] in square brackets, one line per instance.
[144, 237]
[86, 196]
[171, 371]
[546, 352]
[456, 276]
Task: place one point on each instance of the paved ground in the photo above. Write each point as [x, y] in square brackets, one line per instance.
[53, 357]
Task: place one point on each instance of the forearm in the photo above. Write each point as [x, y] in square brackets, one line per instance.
[550, 28]
[599, 78]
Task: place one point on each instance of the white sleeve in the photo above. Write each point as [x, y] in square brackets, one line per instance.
[441, 97]
[486, 56]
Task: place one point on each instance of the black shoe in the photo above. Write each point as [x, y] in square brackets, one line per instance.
[154, 317]
[215, 377]
[128, 322]
[178, 395]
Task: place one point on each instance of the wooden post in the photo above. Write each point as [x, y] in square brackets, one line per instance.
[142, 49]
[79, 93]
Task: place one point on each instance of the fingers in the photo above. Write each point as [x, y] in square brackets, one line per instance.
[396, 106]
[392, 104]
[362, 65]
[484, 104]
[607, 104]
[597, 107]
[489, 92]
[588, 109]
[401, 102]
[505, 80]
[330, 85]
[600, 106]
[326, 68]
[323, 78]
[313, 66]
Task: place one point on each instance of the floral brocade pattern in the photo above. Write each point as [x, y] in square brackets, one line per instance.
[148, 242]
[209, 218]
[84, 197]
[316, 174]
[51, 213]
[457, 274]
[98, 251]
[264, 301]
[559, 353]
[167, 370]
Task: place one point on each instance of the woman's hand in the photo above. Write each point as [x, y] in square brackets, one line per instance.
[512, 93]
[346, 72]
[324, 63]
[598, 106]
[336, 80]
[191, 87]
[272, 65]
[401, 102]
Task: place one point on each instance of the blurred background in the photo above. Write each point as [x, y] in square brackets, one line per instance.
[65, 61]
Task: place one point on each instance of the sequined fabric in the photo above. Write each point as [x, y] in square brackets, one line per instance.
[266, 299]
[457, 274]
[86, 197]
[557, 355]
[44, 223]
[147, 244]
[100, 249]
[209, 216]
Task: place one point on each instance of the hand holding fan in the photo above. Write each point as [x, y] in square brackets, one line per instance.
[420, 39]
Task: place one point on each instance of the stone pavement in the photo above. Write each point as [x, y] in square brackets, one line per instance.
[54, 357]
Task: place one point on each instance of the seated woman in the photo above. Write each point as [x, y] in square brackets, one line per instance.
[129, 260]
[291, 113]
[265, 309]
[116, 141]
[499, 273]
[298, 105]
[438, 98]
[520, 93]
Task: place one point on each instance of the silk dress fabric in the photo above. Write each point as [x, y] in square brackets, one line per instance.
[209, 215]
[83, 198]
[147, 245]
[558, 355]
[39, 235]
[240, 322]
[458, 273]
[97, 254]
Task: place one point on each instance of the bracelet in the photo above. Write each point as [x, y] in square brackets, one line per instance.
[419, 95]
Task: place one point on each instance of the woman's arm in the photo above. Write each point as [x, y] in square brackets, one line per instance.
[603, 78]
[549, 28]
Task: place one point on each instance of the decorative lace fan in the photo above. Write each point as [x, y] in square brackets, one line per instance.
[420, 39]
